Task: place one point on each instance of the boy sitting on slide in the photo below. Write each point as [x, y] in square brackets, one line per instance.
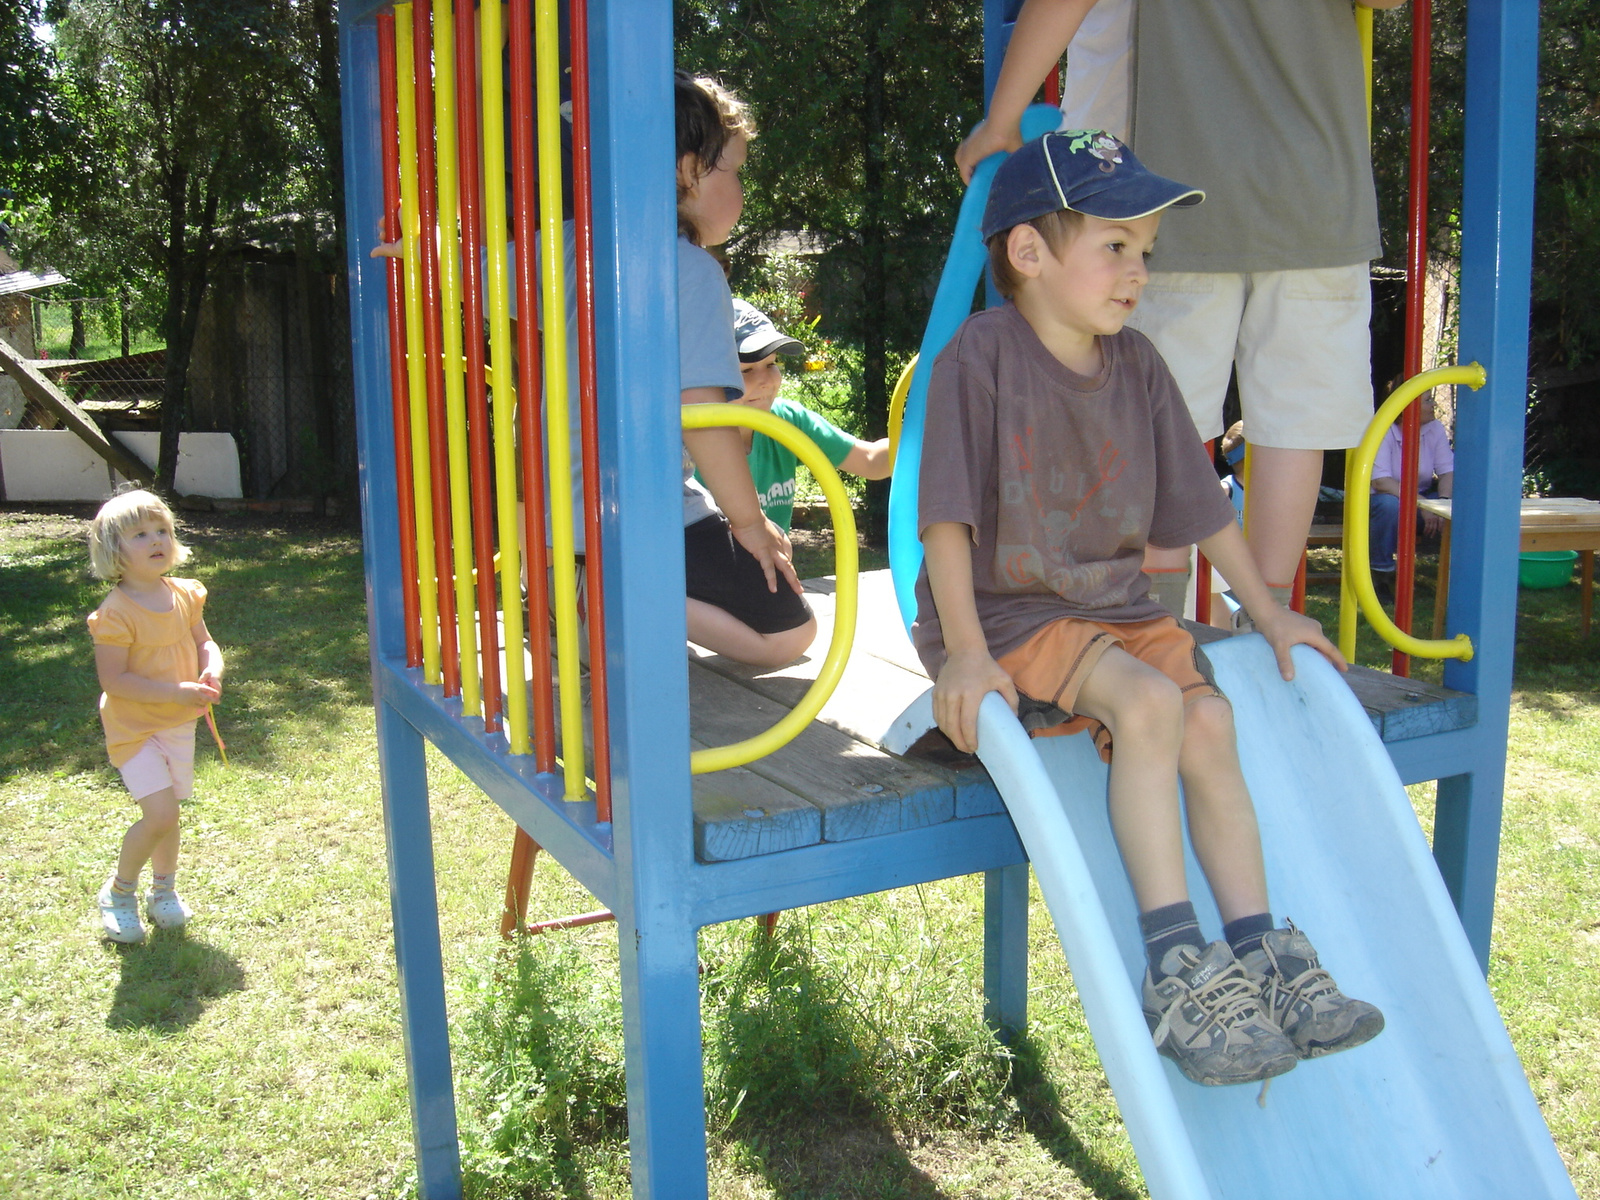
[1056, 448]
[772, 464]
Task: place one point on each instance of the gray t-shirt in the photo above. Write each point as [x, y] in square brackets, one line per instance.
[707, 357]
[1063, 479]
[1260, 103]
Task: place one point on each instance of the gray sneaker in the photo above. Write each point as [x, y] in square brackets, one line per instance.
[1206, 1015]
[119, 915]
[1303, 998]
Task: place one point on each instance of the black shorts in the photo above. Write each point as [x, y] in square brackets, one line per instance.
[721, 572]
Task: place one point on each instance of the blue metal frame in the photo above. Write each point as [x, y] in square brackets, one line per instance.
[643, 866]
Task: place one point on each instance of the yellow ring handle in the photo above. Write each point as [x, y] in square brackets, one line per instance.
[897, 406]
[711, 416]
[1357, 541]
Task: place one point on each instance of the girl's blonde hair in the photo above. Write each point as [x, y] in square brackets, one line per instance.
[118, 515]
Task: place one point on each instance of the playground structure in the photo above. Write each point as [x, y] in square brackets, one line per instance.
[428, 493]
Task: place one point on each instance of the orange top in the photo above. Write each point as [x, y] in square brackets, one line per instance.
[161, 647]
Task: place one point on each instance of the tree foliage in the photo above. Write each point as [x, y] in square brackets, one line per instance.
[860, 107]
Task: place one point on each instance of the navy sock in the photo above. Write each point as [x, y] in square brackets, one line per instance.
[1166, 927]
[1245, 934]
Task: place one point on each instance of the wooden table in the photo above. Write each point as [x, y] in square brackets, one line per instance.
[1547, 524]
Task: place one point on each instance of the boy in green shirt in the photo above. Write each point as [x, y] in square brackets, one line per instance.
[772, 464]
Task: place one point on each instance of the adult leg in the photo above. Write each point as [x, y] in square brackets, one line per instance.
[1279, 504]
[1385, 530]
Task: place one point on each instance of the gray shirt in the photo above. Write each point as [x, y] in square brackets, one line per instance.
[1062, 478]
[707, 357]
[1261, 104]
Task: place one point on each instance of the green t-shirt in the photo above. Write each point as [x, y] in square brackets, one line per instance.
[772, 465]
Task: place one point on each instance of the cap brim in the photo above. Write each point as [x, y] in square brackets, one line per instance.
[754, 351]
[1130, 200]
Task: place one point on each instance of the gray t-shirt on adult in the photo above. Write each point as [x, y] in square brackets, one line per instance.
[1261, 104]
[1063, 479]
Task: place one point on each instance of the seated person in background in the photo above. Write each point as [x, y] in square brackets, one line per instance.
[1233, 448]
[1436, 466]
[772, 464]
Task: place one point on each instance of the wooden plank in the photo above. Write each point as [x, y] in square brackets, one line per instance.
[871, 693]
[1408, 708]
[861, 790]
[739, 814]
[36, 387]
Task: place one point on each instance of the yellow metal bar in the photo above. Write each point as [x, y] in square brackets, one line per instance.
[897, 406]
[416, 367]
[455, 366]
[710, 416]
[1357, 514]
[1364, 32]
[1347, 592]
[558, 419]
[498, 287]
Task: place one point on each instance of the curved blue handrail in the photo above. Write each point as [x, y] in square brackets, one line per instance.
[952, 304]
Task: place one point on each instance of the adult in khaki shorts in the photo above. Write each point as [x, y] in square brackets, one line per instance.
[1261, 104]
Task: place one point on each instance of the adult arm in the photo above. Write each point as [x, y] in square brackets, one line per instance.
[719, 457]
[969, 673]
[1040, 37]
[1227, 551]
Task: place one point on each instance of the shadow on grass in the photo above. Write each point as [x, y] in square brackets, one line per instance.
[796, 1080]
[168, 980]
[286, 603]
[1044, 1117]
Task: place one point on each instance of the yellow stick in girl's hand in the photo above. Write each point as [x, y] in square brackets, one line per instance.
[222, 748]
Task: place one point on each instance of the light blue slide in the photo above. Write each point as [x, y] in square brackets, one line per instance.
[1437, 1105]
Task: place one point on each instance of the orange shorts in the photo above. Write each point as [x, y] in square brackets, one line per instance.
[1051, 666]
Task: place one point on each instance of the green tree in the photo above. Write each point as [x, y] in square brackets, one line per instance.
[860, 108]
[184, 143]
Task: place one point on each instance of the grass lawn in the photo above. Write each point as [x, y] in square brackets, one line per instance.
[258, 1053]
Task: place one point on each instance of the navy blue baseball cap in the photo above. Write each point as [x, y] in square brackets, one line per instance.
[1085, 170]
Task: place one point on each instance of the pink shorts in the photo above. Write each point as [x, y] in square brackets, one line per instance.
[166, 760]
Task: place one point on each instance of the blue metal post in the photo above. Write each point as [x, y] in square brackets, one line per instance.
[1496, 262]
[412, 896]
[1005, 950]
[636, 297]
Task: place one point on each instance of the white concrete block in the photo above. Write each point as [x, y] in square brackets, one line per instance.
[208, 463]
[51, 464]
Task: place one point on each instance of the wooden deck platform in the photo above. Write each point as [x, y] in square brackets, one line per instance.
[836, 782]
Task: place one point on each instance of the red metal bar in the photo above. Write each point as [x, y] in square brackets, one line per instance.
[1416, 296]
[1202, 568]
[483, 507]
[519, 880]
[525, 229]
[428, 203]
[591, 918]
[589, 416]
[1297, 592]
[388, 112]
[1052, 87]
